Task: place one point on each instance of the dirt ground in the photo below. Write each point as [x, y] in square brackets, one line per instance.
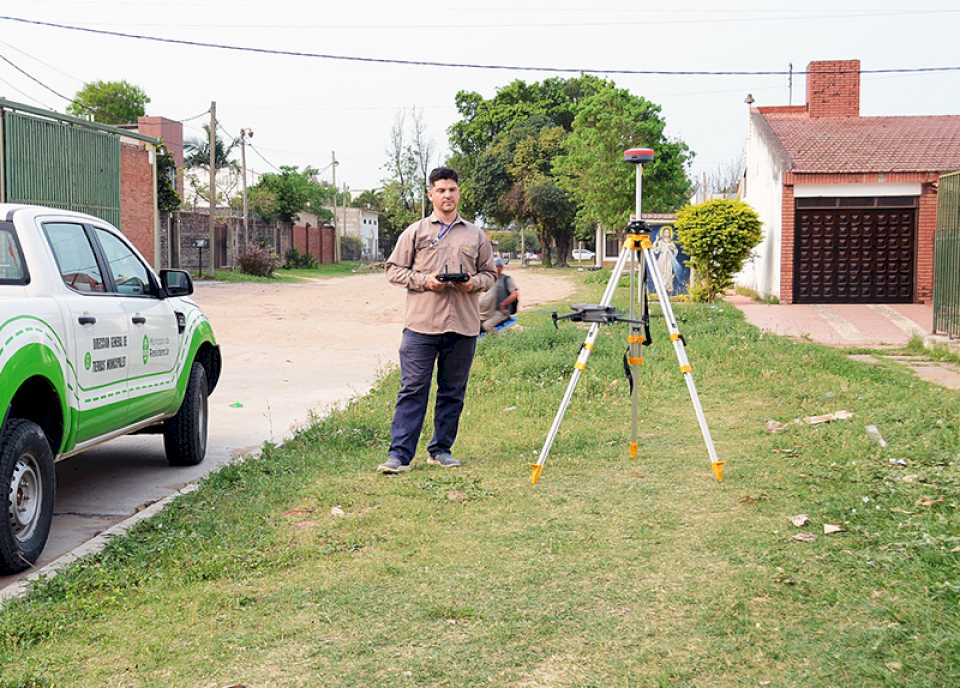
[292, 347]
[288, 350]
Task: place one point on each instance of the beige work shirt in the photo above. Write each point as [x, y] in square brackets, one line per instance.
[420, 252]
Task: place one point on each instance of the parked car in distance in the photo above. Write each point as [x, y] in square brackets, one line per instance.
[583, 254]
[93, 345]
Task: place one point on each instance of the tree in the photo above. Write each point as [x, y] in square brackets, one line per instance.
[482, 141]
[109, 102]
[421, 148]
[168, 200]
[554, 212]
[282, 196]
[196, 156]
[718, 236]
[592, 167]
[725, 179]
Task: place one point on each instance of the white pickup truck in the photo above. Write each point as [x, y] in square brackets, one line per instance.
[93, 345]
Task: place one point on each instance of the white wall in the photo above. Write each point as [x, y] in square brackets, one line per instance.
[763, 190]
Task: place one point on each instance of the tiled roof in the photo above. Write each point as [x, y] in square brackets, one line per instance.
[868, 144]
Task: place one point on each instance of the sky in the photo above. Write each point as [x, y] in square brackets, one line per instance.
[302, 109]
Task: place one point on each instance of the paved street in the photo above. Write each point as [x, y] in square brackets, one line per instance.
[288, 349]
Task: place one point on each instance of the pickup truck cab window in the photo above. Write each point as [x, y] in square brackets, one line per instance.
[12, 268]
[75, 257]
[129, 274]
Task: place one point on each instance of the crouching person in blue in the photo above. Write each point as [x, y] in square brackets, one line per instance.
[442, 322]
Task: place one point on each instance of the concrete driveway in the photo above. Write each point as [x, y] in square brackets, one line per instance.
[843, 325]
[288, 350]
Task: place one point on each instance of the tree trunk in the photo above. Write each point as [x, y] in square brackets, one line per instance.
[563, 248]
[544, 237]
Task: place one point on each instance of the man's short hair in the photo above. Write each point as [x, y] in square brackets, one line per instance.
[439, 173]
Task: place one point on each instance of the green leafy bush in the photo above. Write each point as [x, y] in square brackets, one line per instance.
[300, 261]
[718, 236]
[258, 260]
[350, 248]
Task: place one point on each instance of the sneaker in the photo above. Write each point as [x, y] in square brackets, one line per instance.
[444, 459]
[393, 466]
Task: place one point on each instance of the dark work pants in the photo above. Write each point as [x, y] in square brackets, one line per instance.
[453, 354]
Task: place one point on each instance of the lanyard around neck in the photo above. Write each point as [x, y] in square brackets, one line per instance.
[445, 229]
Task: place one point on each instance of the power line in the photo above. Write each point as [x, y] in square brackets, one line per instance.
[24, 94]
[460, 65]
[36, 80]
[197, 116]
[249, 143]
[43, 62]
[538, 25]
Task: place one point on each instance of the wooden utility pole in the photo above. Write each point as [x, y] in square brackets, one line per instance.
[244, 133]
[336, 228]
[212, 191]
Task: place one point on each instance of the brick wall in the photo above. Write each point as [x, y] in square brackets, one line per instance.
[137, 209]
[833, 88]
[315, 241]
[926, 230]
[788, 216]
[189, 226]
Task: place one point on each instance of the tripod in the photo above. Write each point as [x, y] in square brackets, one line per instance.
[636, 253]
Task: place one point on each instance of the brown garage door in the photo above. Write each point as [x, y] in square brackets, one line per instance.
[854, 250]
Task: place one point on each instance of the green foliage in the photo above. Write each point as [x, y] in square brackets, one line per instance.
[168, 200]
[592, 167]
[281, 196]
[350, 248]
[718, 235]
[299, 261]
[258, 260]
[110, 102]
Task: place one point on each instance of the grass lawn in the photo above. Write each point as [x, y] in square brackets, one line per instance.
[608, 573]
[293, 275]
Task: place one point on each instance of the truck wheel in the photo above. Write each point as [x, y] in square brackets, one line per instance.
[27, 488]
[185, 435]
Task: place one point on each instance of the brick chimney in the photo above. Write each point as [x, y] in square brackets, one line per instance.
[833, 88]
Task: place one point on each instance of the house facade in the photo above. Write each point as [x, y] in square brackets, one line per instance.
[848, 203]
[362, 223]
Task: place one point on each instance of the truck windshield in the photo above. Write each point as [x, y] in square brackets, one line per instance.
[12, 268]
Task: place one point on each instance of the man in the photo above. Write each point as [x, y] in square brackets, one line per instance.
[442, 321]
[499, 303]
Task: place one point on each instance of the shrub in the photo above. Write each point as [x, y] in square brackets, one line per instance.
[718, 236]
[258, 260]
[350, 248]
[302, 261]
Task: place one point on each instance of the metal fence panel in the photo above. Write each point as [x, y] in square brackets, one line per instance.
[946, 285]
[61, 165]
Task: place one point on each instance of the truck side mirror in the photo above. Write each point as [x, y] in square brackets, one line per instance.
[176, 282]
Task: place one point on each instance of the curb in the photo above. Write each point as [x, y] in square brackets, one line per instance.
[92, 546]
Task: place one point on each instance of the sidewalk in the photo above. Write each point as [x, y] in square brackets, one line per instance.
[843, 325]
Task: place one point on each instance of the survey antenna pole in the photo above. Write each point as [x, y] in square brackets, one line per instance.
[637, 252]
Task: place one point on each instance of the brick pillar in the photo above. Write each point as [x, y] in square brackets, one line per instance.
[926, 231]
[137, 209]
[788, 213]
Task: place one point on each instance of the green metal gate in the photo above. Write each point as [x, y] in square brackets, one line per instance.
[63, 166]
[946, 285]
[60, 161]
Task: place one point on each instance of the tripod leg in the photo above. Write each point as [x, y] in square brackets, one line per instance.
[578, 368]
[678, 345]
[634, 341]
